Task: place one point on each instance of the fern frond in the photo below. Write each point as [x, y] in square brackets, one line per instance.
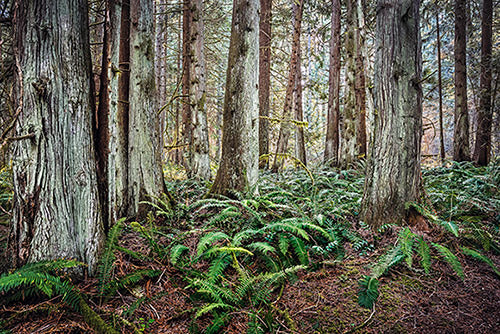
[424, 252]
[210, 307]
[262, 247]
[209, 239]
[176, 252]
[406, 241]
[299, 249]
[451, 258]
[368, 292]
[217, 267]
[475, 254]
[386, 261]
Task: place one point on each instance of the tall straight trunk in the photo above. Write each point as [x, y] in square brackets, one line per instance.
[264, 79]
[101, 125]
[440, 88]
[360, 85]
[393, 167]
[160, 64]
[56, 206]
[144, 150]
[348, 154]
[116, 176]
[482, 147]
[186, 50]
[199, 160]
[119, 194]
[286, 124]
[461, 151]
[300, 145]
[332, 124]
[238, 169]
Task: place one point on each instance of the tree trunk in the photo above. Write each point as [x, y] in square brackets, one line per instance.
[300, 146]
[440, 89]
[144, 150]
[238, 169]
[393, 167]
[360, 86]
[348, 154]
[332, 125]
[56, 204]
[199, 160]
[264, 79]
[482, 147]
[186, 106]
[461, 150]
[286, 124]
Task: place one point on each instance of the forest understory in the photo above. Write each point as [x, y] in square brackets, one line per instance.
[293, 259]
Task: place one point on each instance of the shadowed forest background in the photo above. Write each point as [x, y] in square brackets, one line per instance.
[257, 166]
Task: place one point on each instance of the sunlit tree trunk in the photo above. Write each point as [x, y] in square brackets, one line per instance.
[264, 79]
[393, 167]
[145, 176]
[286, 125]
[482, 147]
[461, 151]
[332, 126]
[238, 169]
[199, 161]
[56, 206]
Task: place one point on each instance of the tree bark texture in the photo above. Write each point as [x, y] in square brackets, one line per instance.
[264, 79]
[286, 122]
[300, 145]
[199, 160]
[393, 167]
[440, 88]
[145, 176]
[56, 204]
[461, 151]
[348, 133]
[238, 169]
[482, 146]
[186, 106]
[332, 125]
[360, 84]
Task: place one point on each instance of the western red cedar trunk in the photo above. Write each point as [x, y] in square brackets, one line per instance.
[186, 106]
[120, 133]
[145, 175]
[482, 147]
[101, 126]
[332, 126]
[56, 205]
[461, 151]
[300, 145]
[393, 167]
[238, 169]
[198, 160]
[348, 133]
[264, 79]
[440, 88]
[286, 124]
[360, 85]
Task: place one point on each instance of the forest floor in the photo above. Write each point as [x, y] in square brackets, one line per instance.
[319, 298]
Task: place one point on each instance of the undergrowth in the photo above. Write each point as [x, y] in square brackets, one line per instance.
[236, 254]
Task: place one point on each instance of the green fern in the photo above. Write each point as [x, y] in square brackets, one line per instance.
[108, 258]
[210, 238]
[406, 241]
[478, 256]
[368, 292]
[424, 252]
[451, 258]
[176, 253]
